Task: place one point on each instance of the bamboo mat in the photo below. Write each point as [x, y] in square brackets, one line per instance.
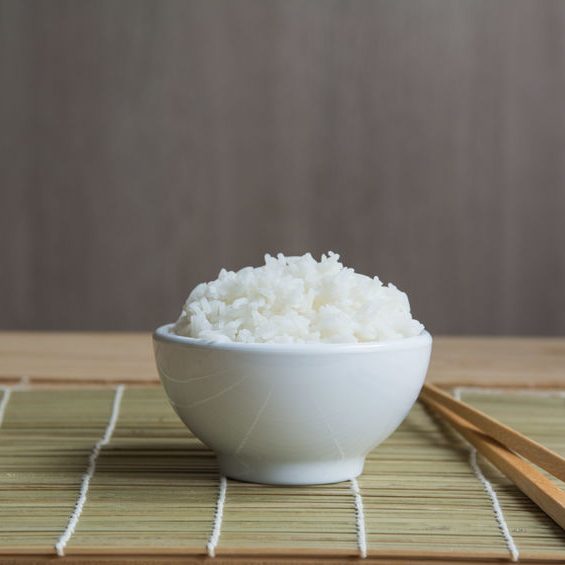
[154, 489]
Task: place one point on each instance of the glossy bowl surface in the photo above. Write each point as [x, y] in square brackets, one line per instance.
[291, 413]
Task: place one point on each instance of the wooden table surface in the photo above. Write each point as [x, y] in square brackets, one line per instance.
[105, 358]
[127, 357]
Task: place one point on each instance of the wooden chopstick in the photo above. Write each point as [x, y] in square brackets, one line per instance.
[532, 450]
[541, 490]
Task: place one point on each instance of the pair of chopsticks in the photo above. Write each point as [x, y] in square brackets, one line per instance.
[502, 446]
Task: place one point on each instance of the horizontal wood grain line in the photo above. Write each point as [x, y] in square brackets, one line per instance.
[256, 552]
[254, 560]
[86, 555]
[99, 358]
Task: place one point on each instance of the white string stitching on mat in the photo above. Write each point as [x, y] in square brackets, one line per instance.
[22, 383]
[4, 402]
[360, 518]
[86, 478]
[218, 516]
[489, 489]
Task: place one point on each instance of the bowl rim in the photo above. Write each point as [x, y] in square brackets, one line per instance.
[164, 334]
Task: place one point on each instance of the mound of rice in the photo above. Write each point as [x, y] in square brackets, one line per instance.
[296, 300]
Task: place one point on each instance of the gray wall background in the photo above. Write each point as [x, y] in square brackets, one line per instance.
[143, 145]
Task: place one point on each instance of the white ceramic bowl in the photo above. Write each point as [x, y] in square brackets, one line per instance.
[291, 414]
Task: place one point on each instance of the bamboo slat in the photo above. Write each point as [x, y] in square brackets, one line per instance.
[155, 487]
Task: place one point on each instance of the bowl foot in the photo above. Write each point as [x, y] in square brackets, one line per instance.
[295, 473]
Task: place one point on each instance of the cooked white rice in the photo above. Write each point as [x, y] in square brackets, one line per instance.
[297, 300]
